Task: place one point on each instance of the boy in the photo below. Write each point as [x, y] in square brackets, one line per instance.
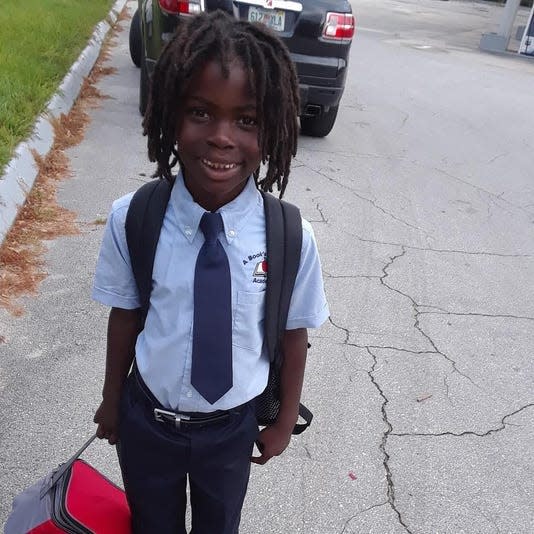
[224, 99]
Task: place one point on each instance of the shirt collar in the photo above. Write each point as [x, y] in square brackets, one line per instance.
[234, 214]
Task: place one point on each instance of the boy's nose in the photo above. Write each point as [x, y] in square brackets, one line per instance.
[221, 135]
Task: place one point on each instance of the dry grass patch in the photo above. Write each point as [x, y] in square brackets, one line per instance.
[22, 265]
[41, 218]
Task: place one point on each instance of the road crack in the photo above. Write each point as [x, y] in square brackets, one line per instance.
[467, 432]
[346, 330]
[417, 313]
[383, 444]
[493, 197]
[475, 314]
[438, 250]
[352, 276]
[371, 201]
[320, 210]
[389, 347]
[360, 513]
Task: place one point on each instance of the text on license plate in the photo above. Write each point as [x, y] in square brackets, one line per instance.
[275, 19]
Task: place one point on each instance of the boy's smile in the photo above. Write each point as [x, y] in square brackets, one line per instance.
[217, 134]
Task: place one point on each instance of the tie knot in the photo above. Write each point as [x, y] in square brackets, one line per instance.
[211, 225]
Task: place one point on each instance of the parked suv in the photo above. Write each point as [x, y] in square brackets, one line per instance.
[318, 34]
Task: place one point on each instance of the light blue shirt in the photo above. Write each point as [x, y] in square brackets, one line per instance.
[164, 347]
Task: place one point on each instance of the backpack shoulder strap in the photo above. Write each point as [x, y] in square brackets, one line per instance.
[284, 243]
[274, 225]
[143, 226]
[292, 252]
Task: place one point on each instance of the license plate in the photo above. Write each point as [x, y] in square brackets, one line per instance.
[274, 18]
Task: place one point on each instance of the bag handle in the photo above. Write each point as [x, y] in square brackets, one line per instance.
[63, 468]
[307, 416]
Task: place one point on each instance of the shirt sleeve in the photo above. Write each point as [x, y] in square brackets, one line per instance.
[114, 284]
[308, 307]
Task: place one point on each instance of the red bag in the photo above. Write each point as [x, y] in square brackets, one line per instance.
[75, 498]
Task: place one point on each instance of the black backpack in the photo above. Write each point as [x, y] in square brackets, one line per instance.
[284, 243]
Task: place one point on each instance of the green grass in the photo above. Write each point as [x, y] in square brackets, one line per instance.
[39, 41]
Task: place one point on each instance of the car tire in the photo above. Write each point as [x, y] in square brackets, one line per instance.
[136, 39]
[143, 86]
[320, 125]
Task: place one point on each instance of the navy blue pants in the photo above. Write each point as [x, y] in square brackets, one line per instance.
[157, 459]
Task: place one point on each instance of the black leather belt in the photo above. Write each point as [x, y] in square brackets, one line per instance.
[196, 419]
[169, 417]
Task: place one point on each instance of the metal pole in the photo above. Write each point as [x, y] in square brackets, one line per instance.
[498, 42]
[508, 18]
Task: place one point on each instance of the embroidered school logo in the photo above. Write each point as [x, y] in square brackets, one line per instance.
[261, 268]
[259, 274]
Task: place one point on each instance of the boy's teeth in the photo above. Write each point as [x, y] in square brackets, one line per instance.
[214, 165]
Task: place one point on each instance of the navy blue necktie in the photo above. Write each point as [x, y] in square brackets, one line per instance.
[211, 371]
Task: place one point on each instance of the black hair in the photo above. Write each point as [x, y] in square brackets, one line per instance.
[216, 35]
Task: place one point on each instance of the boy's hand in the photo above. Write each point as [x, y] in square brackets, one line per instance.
[272, 441]
[107, 419]
[123, 327]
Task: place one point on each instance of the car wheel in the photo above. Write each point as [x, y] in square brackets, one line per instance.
[143, 86]
[136, 39]
[320, 125]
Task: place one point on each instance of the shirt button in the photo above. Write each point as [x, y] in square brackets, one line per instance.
[231, 233]
[188, 231]
[189, 394]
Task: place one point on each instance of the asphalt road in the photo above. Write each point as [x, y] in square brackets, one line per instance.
[423, 205]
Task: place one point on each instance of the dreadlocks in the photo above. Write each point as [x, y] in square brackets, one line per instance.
[217, 36]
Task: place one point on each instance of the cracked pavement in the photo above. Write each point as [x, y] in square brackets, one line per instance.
[422, 203]
[424, 373]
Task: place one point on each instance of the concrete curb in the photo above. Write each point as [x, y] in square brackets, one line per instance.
[21, 171]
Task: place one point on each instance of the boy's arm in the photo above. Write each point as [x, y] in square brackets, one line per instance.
[123, 328]
[274, 439]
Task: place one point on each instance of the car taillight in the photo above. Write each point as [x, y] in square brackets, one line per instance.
[339, 26]
[180, 7]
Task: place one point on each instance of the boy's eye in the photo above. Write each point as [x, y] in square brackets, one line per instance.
[199, 113]
[248, 121]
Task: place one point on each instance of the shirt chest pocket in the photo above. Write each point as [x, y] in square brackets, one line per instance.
[249, 313]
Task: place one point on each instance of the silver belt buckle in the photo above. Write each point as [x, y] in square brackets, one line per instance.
[163, 416]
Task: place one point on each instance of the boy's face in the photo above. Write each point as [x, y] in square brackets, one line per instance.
[217, 135]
